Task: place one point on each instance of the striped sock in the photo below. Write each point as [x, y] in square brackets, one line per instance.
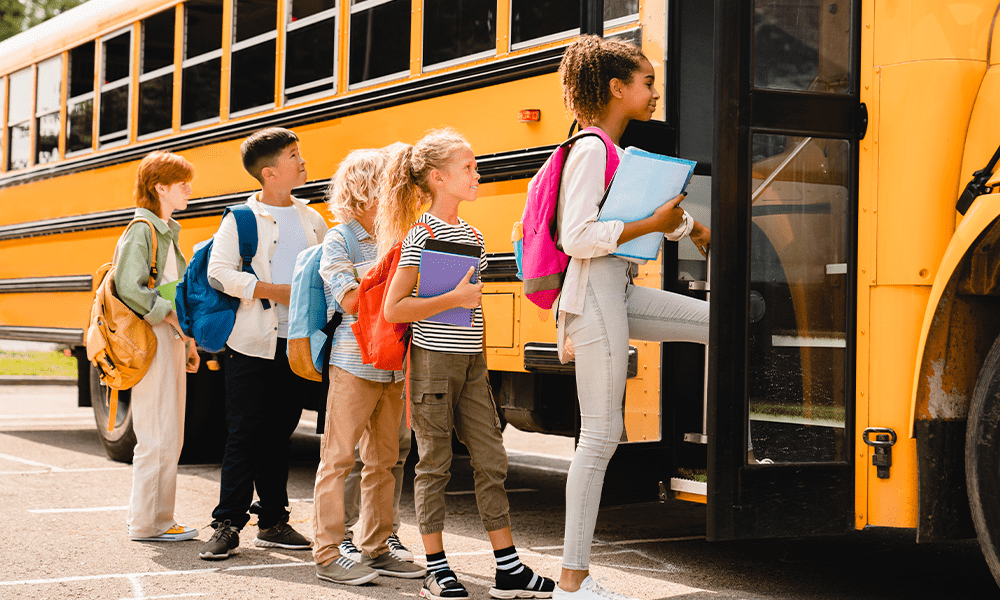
[512, 575]
[438, 562]
[508, 561]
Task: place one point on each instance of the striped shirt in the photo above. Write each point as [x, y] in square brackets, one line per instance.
[337, 271]
[444, 337]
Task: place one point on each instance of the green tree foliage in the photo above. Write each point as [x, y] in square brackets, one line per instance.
[20, 15]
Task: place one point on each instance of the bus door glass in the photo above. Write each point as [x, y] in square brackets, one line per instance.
[781, 460]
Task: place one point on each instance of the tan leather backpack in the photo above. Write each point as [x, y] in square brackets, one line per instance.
[119, 343]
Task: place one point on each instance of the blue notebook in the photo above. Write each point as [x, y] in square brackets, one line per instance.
[643, 182]
[442, 266]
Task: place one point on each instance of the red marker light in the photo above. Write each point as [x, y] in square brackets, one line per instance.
[530, 115]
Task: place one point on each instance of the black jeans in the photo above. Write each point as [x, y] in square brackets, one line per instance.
[264, 401]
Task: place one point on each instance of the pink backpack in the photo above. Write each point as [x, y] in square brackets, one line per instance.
[541, 265]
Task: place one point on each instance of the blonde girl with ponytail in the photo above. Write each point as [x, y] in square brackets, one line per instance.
[448, 377]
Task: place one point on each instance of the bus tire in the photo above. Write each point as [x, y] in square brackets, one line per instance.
[119, 443]
[982, 459]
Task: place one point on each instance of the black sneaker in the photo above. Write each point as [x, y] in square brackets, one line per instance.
[281, 536]
[224, 542]
[442, 585]
[525, 584]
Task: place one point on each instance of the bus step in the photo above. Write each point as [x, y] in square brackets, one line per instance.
[689, 490]
[696, 438]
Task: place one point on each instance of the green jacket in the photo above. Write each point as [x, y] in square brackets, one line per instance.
[132, 267]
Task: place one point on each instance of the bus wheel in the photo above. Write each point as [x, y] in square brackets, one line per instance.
[982, 459]
[119, 443]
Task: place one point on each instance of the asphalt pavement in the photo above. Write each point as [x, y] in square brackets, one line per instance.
[64, 508]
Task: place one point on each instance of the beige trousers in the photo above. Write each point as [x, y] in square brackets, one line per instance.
[158, 421]
[357, 410]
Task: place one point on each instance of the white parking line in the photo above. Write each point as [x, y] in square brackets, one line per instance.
[86, 415]
[105, 576]
[539, 467]
[470, 492]
[25, 461]
[60, 470]
[74, 510]
[188, 595]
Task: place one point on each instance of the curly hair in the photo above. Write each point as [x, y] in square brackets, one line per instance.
[354, 187]
[159, 167]
[587, 68]
[404, 189]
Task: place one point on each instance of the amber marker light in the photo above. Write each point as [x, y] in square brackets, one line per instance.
[529, 115]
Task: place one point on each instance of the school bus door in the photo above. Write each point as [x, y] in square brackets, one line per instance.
[787, 127]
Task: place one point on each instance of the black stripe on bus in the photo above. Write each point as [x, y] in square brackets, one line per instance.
[518, 164]
[59, 283]
[495, 73]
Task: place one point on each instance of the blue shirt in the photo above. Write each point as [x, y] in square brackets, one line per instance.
[337, 271]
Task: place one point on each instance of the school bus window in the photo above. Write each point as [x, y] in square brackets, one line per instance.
[540, 21]
[80, 102]
[456, 32]
[311, 48]
[19, 120]
[301, 9]
[802, 46]
[156, 78]
[201, 75]
[116, 83]
[380, 40]
[617, 12]
[48, 98]
[255, 34]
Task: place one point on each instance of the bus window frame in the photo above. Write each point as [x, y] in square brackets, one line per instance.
[193, 61]
[145, 76]
[362, 6]
[38, 115]
[290, 26]
[3, 123]
[471, 58]
[91, 95]
[108, 87]
[565, 35]
[29, 72]
[235, 47]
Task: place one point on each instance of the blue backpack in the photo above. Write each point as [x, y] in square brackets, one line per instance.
[310, 334]
[205, 313]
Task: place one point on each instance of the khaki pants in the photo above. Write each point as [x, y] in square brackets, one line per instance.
[352, 489]
[158, 421]
[450, 391]
[369, 412]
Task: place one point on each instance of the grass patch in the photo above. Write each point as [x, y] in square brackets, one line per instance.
[47, 364]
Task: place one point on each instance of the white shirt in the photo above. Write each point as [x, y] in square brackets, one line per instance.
[256, 330]
[581, 235]
[291, 241]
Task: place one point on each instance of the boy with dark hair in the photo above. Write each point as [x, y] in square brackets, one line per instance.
[263, 395]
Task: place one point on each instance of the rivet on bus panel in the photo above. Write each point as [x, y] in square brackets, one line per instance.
[862, 393]
[862, 270]
[862, 332]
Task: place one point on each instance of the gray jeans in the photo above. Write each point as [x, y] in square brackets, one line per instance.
[614, 312]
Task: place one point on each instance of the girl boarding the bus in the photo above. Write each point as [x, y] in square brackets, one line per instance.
[449, 388]
[364, 404]
[606, 84]
[162, 186]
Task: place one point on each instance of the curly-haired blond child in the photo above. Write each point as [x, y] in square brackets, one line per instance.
[364, 404]
[448, 377]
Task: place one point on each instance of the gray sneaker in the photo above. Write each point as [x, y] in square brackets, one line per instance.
[225, 542]
[345, 571]
[281, 535]
[390, 566]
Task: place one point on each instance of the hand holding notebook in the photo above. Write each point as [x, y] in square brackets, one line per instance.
[443, 265]
[644, 182]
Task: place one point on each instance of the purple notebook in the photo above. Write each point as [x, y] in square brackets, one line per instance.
[442, 266]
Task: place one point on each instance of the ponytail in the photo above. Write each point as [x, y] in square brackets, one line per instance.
[404, 189]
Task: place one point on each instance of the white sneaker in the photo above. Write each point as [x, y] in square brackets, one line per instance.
[349, 550]
[589, 590]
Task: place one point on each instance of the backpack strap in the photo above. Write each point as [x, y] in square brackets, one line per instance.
[153, 271]
[246, 228]
[611, 166]
[353, 244]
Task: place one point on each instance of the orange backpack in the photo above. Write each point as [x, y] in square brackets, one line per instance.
[119, 343]
[383, 344]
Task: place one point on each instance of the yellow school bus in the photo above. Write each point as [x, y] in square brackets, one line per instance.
[843, 162]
